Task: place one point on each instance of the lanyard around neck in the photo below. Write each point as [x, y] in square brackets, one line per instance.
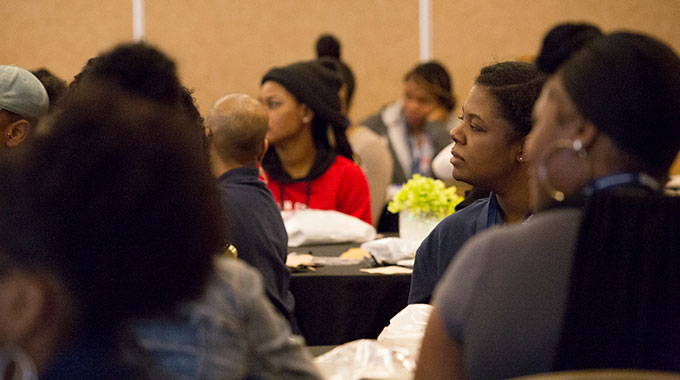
[621, 179]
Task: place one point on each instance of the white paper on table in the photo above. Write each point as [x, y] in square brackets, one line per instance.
[392, 269]
[335, 261]
[295, 259]
[408, 263]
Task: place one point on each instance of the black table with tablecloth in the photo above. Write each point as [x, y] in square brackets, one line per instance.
[338, 304]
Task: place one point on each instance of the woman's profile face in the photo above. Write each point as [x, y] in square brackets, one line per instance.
[285, 113]
[484, 153]
[556, 121]
[418, 103]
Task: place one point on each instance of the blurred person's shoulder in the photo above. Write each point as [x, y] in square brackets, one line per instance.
[379, 121]
[233, 287]
[544, 231]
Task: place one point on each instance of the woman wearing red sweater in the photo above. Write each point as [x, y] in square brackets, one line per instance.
[309, 161]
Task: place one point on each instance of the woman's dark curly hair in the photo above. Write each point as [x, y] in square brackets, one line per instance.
[143, 70]
[515, 86]
[138, 68]
[114, 196]
[55, 86]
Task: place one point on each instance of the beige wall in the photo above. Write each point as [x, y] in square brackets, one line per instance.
[470, 34]
[61, 34]
[225, 46]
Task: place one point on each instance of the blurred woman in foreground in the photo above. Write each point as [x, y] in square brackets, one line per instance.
[98, 230]
[592, 280]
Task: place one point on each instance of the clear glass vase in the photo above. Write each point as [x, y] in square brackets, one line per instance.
[416, 226]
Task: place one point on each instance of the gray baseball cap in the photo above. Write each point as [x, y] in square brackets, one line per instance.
[22, 93]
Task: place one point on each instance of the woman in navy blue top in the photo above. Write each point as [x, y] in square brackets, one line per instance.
[488, 152]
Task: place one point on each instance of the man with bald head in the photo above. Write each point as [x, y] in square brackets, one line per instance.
[237, 125]
[23, 101]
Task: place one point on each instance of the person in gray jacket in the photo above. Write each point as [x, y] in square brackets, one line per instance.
[417, 127]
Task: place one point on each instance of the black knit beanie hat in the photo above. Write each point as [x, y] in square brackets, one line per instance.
[628, 85]
[314, 84]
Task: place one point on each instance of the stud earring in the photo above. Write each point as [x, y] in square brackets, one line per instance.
[520, 158]
[306, 119]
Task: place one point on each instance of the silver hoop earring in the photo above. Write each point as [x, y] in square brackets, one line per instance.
[575, 146]
[23, 368]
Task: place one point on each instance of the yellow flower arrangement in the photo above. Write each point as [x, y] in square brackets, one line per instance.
[425, 196]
